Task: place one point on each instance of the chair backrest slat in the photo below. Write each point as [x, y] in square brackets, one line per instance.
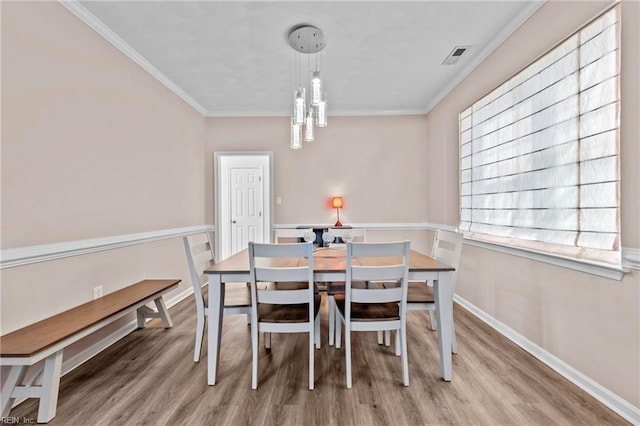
[283, 297]
[377, 273]
[287, 250]
[376, 295]
[282, 274]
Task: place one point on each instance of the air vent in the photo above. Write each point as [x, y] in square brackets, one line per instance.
[455, 55]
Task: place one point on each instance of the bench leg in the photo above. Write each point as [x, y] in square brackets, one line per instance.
[15, 378]
[163, 312]
[47, 392]
[145, 312]
[50, 386]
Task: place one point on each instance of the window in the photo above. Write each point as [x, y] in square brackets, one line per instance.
[539, 155]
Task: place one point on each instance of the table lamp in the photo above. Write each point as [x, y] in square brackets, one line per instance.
[337, 203]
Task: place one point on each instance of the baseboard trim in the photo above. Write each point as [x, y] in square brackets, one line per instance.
[619, 405]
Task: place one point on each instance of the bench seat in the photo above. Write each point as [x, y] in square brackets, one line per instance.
[46, 340]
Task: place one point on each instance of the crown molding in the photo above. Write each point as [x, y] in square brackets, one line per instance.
[103, 30]
[516, 23]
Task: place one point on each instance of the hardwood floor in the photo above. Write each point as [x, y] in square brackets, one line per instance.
[149, 378]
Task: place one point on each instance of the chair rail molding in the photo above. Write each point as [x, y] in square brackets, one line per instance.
[631, 258]
[11, 258]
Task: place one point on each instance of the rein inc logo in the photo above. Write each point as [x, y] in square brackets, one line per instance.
[8, 420]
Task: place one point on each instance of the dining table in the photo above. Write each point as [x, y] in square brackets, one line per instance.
[329, 265]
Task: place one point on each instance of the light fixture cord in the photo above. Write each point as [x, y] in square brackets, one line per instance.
[309, 73]
[297, 64]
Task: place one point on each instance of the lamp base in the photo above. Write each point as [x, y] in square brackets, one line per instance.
[338, 224]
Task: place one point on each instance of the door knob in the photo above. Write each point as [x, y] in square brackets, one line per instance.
[233, 221]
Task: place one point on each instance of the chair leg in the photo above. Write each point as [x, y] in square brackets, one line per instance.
[248, 319]
[338, 341]
[317, 332]
[267, 340]
[405, 355]
[332, 319]
[387, 338]
[397, 333]
[347, 351]
[311, 354]
[254, 349]
[380, 337]
[200, 320]
[432, 319]
[454, 344]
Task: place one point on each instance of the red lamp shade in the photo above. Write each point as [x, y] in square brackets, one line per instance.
[336, 202]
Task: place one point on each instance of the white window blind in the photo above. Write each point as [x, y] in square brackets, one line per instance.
[539, 155]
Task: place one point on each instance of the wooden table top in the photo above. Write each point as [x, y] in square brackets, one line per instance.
[330, 260]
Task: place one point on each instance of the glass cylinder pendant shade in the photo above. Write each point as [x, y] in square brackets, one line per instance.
[321, 117]
[308, 126]
[299, 106]
[296, 135]
[316, 88]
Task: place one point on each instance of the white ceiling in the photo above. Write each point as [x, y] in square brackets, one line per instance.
[233, 58]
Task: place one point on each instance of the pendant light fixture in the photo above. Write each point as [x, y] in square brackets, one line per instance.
[296, 135]
[308, 126]
[321, 116]
[309, 40]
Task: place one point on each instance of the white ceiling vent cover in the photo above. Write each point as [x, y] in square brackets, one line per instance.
[455, 55]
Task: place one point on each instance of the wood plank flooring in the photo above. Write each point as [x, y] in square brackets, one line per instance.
[149, 378]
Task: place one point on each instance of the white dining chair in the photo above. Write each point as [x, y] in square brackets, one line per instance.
[375, 308]
[237, 296]
[278, 309]
[345, 235]
[290, 235]
[447, 248]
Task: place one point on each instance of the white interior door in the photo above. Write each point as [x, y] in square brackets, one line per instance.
[243, 188]
[246, 204]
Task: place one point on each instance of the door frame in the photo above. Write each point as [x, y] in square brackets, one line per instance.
[222, 230]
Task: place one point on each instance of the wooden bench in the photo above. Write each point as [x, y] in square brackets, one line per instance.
[46, 340]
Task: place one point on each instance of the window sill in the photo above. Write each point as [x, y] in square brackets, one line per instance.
[599, 269]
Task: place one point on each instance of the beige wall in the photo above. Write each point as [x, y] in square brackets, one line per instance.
[92, 146]
[591, 323]
[378, 164]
